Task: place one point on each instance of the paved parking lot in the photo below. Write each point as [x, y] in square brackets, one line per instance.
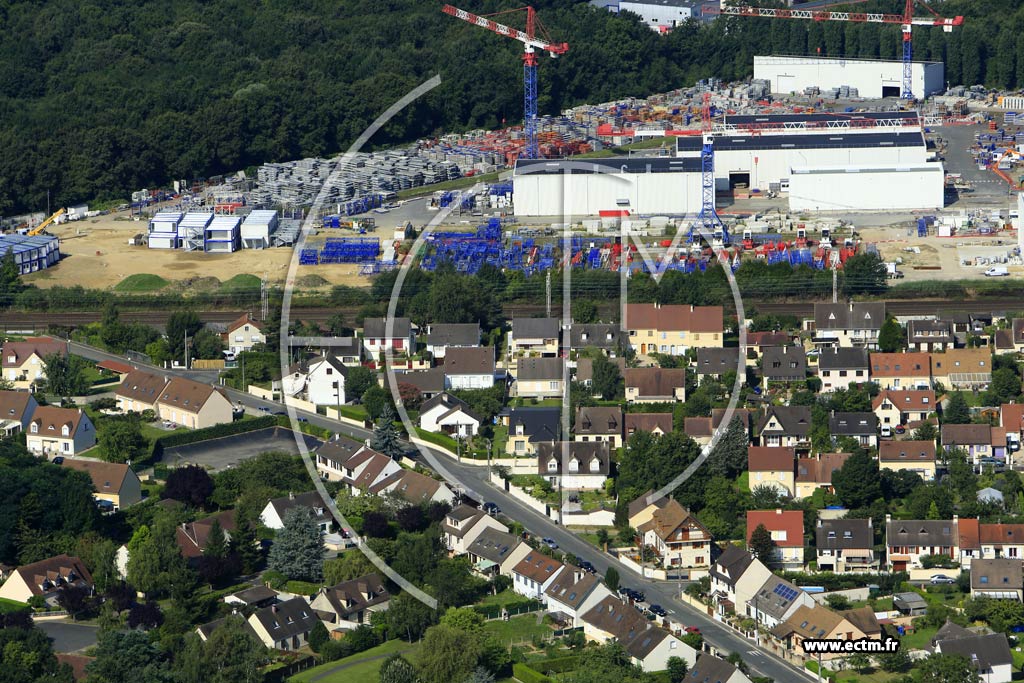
[219, 454]
[68, 636]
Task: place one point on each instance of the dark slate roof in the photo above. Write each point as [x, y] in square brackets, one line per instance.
[847, 534]
[598, 420]
[710, 669]
[997, 574]
[733, 560]
[776, 596]
[310, 500]
[454, 334]
[572, 586]
[427, 381]
[930, 331]
[784, 362]
[816, 117]
[853, 424]
[715, 361]
[493, 545]
[987, 651]
[287, 619]
[843, 358]
[598, 335]
[812, 140]
[535, 328]
[860, 316]
[920, 532]
[531, 369]
[795, 420]
[374, 328]
[540, 424]
[585, 453]
[637, 636]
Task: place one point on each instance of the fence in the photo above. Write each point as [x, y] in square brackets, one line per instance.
[208, 364]
[497, 611]
[284, 673]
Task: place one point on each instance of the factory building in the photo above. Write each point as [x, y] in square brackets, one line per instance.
[163, 230]
[867, 188]
[662, 15]
[645, 186]
[223, 235]
[872, 78]
[31, 253]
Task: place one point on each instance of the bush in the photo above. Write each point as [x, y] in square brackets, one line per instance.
[276, 579]
[441, 440]
[527, 675]
[558, 665]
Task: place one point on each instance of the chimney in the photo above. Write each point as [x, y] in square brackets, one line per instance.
[778, 511]
[273, 608]
[291, 495]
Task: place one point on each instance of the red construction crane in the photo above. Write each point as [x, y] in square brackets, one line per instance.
[531, 43]
[907, 20]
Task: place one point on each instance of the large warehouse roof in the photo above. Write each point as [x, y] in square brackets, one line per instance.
[740, 120]
[804, 141]
[609, 165]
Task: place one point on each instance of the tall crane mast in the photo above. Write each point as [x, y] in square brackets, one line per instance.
[531, 44]
[907, 21]
[708, 221]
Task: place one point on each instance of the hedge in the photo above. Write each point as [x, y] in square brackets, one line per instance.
[558, 665]
[887, 583]
[183, 438]
[527, 675]
[518, 607]
[441, 440]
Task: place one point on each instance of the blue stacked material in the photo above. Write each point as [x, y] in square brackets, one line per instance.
[362, 204]
[500, 189]
[332, 221]
[800, 257]
[922, 227]
[446, 199]
[468, 203]
[308, 257]
[594, 259]
[349, 250]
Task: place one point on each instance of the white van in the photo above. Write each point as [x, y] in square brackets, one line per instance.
[997, 271]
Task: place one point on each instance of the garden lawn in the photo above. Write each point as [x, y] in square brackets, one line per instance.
[364, 666]
[517, 629]
[7, 605]
[505, 597]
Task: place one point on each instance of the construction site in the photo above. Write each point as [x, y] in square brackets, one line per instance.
[810, 161]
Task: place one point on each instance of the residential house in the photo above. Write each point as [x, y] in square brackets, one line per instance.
[975, 440]
[585, 369]
[534, 574]
[193, 537]
[529, 426]
[915, 456]
[842, 367]
[496, 552]
[989, 654]
[736, 576]
[783, 365]
[540, 378]
[772, 467]
[787, 531]
[605, 337]
[683, 543]
[901, 370]
[655, 385]
[429, 383]
[930, 335]
[349, 350]
[864, 619]
[648, 646]
[115, 483]
[358, 467]
[59, 431]
[535, 336]
[273, 514]
[816, 472]
[910, 604]
[16, 410]
[1011, 419]
[673, 329]
[711, 669]
[757, 342]
[1002, 342]
[284, 626]
[24, 362]
[244, 333]
[862, 427]
[45, 578]
[785, 426]
[908, 540]
[572, 594]
[962, 368]
[351, 604]
[254, 596]
[414, 488]
[396, 334]
[599, 423]
[463, 524]
[442, 337]
[139, 391]
[653, 423]
[1014, 342]
[775, 600]
[641, 510]
[447, 414]
[846, 545]
[815, 622]
[908, 408]
[325, 381]
[997, 540]
[714, 362]
[998, 579]
[699, 429]
[574, 465]
[848, 324]
[191, 404]
[469, 368]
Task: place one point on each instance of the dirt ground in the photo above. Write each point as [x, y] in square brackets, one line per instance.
[941, 257]
[97, 255]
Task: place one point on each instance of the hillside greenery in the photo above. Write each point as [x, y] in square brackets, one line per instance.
[99, 99]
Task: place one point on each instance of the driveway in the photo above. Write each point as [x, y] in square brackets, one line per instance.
[68, 636]
[219, 454]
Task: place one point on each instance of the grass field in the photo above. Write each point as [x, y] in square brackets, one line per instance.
[7, 605]
[517, 629]
[503, 598]
[141, 282]
[364, 666]
[241, 282]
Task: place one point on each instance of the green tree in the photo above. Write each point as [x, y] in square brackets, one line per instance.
[956, 411]
[182, 324]
[611, 578]
[207, 345]
[65, 375]
[676, 669]
[447, 654]
[159, 351]
[761, 544]
[121, 440]
[346, 566]
[298, 549]
[10, 277]
[926, 432]
[318, 635]
[729, 456]
[398, 669]
[864, 274]
[858, 483]
[463, 618]
[385, 437]
[1005, 385]
[607, 380]
[358, 380]
[584, 311]
[890, 337]
[894, 662]
[945, 668]
[376, 399]
[128, 657]
[406, 617]
[860, 662]
[231, 655]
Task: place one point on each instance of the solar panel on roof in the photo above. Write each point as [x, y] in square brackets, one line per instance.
[785, 592]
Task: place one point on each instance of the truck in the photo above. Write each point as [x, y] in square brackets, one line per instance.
[997, 271]
[892, 272]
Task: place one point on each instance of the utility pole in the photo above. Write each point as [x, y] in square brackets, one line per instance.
[186, 349]
[548, 296]
[835, 285]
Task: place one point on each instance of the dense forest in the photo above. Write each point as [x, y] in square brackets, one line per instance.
[100, 98]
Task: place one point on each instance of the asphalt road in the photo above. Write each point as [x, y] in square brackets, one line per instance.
[472, 479]
[69, 637]
[220, 454]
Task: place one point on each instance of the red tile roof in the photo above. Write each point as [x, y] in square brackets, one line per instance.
[969, 532]
[906, 451]
[900, 365]
[115, 366]
[1011, 416]
[1001, 533]
[674, 317]
[767, 459]
[790, 521]
[913, 400]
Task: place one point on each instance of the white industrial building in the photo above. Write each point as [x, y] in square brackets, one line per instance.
[223, 234]
[163, 230]
[867, 188]
[636, 185]
[257, 228]
[192, 230]
[872, 78]
[662, 15]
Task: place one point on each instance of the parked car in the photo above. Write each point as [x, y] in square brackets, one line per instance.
[900, 429]
[588, 567]
[658, 610]
[549, 542]
[692, 629]
[491, 508]
[997, 271]
[939, 579]
[59, 460]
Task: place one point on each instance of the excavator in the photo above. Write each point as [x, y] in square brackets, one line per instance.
[42, 226]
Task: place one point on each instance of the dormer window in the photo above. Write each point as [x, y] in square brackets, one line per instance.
[574, 465]
[595, 466]
[552, 465]
[35, 428]
[65, 430]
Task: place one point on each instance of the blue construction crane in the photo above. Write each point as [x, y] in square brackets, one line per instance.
[531, 43]
[708, 222]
